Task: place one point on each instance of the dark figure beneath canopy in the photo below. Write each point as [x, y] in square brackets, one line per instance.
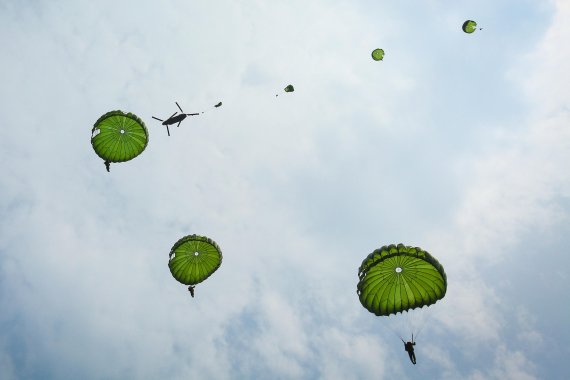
[409, 347]
[191, 290]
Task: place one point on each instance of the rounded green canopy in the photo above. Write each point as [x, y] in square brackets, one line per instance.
[394, 279]
[289, 88]
[193, 259]
[469, 26]
[378, 54]
[118, 136]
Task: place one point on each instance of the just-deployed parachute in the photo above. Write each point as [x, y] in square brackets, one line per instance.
[469, 26]
[289, 88]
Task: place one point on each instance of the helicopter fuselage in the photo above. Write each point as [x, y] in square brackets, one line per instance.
[174, 119]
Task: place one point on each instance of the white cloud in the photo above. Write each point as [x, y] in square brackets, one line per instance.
[508, 365]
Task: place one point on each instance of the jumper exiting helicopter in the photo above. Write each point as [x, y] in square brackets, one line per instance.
[175, 119]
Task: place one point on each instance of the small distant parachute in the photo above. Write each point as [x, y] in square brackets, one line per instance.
[378, 54]
[118, 137]
[218, 105]
[289, 88]
[469, 26]
[394, 279]
[193, 259]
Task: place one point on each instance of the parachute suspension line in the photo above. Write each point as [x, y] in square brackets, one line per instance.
[395, 333]
[422, 327]
[426, 317]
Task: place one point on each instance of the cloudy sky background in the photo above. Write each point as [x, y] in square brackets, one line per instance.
[455, 143]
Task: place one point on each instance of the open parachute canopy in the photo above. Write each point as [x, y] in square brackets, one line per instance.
[469, 26]
[377, 54]
[398, 278]
[118, 136]
[193, 259]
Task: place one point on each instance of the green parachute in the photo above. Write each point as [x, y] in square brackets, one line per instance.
[118, 137]
[378, 54]
[469, 26]
[398, 278]
[193, 259]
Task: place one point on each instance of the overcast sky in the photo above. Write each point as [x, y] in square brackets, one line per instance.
[455, 143]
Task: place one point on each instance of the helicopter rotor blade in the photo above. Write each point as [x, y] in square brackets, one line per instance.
[172, 115]
[192, 114]
[168, 130]
[156, 118]
[178, 125]
[179, 107]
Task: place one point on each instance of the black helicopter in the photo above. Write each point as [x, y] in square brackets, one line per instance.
[175, 119]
